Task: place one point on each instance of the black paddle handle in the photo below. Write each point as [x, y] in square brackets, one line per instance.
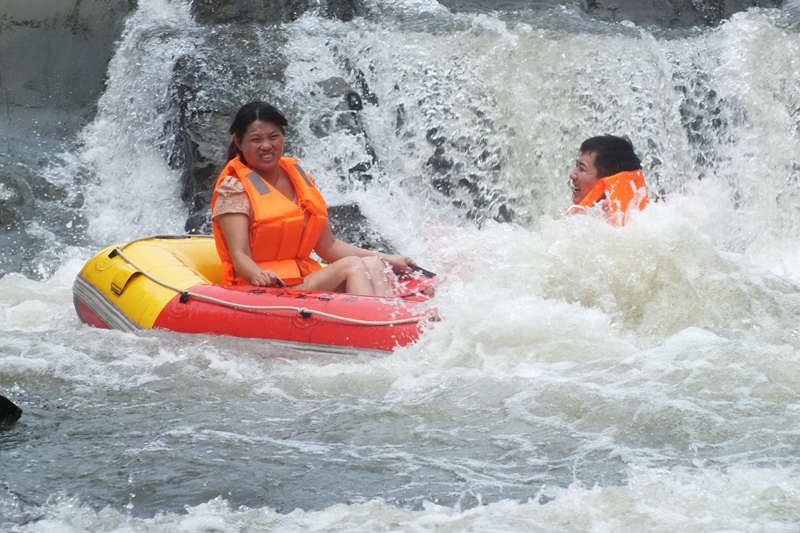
[427, 273]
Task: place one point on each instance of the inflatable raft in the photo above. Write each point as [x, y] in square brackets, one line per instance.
[173, 283]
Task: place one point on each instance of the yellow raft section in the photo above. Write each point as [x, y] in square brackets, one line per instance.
[181, 261]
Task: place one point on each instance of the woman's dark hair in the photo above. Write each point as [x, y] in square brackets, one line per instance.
[248, 114]
[613, 154]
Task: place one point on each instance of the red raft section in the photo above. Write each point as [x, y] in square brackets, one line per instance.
[309, 317]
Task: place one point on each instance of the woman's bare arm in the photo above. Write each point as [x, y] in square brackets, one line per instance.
[331, 249]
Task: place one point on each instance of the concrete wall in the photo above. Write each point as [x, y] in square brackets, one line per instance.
[54, 55]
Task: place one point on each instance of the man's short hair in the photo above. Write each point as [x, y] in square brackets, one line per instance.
[613, 154]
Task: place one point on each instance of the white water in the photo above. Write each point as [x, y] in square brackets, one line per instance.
[584, 378]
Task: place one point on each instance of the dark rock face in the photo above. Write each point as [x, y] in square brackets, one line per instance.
[665, 13]
[270, 11]
[470, 180]
[9, 412]
[349, 225]
[672, 13]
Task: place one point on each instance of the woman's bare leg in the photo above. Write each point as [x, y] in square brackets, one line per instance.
[351, 274]
[377, 270]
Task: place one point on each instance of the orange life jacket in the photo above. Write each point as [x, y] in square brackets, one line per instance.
[624, 190]
[282, 233]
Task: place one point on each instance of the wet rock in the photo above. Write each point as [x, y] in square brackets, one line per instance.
[671, 13]
[270, 11]
[343, 116]
[665, 13]
[354, 101]
[350, 225]
[26, 195]
[471, 183]
[9, 412]
[334, 86]
[439, 163]
[703, 110]
[792, 7]
[16, 198]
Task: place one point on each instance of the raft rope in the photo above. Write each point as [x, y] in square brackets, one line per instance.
[303, 311]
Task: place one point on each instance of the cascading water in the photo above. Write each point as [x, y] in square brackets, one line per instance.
[583, 377]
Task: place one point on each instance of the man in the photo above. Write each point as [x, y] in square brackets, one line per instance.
[609, 174]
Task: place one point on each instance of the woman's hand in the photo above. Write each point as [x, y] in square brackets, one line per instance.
[265, 278]
[399, 263]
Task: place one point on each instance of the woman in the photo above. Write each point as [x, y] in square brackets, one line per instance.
[268, 216]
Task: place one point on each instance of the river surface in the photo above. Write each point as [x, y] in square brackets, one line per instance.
[583, 378]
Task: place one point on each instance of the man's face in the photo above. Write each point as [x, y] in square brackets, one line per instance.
[584, 177]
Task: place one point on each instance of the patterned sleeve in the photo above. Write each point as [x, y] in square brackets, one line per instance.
[231, 198]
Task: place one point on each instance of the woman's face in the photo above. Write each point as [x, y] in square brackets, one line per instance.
[583, 177]
[262, 146]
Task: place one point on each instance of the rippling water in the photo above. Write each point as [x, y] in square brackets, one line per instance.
[584, 378]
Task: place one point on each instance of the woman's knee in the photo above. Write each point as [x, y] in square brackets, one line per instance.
[352, 265]
[351, 261]
[374, 264]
